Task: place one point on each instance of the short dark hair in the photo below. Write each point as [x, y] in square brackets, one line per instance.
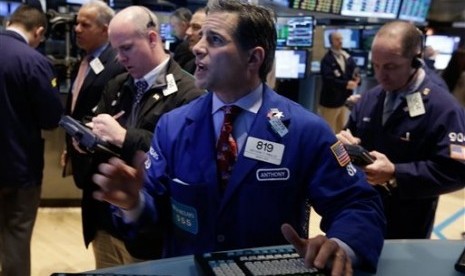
[255, 27]
[29, 17]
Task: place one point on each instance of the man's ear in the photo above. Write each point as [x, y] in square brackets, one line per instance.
[39, 33]
[256, 57]
[153, 37]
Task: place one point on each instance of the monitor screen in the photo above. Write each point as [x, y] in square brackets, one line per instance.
[360, 58]
[368, 34]
[414, 10]
[291, 64]
[7, 8]
[76, 2]
[371, 8]
[443, 44]
[166, 32]
[441, 61]
[295, 31]
[14, 6]
[327, 6]
[4, 9]
[350, 37]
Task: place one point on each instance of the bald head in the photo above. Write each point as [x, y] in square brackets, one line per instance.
[133, 33]
[408, 36]
[336, 39]
[137, 18]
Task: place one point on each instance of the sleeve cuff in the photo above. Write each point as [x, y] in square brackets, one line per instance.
[131, 216]
[348, 251]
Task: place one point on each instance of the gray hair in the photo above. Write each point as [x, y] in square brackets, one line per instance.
[104, 12]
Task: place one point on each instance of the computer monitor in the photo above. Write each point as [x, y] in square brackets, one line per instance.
[441, 61]
[166, 32]
[360, 58]
[368, 34]
[8, 7]
[350, 37]
[76, 2]
[295, 31]
[444, 45]
[326, 6]
[371, 8]
[414, 10]
[291, 64]
[4, 9]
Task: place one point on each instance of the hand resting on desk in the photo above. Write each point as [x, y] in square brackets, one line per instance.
[319, 252]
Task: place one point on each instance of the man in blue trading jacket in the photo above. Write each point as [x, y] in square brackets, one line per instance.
[286, 159]
[413, 128]
[29, 102]
[340, 76]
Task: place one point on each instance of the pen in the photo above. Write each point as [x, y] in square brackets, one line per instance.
[119, 114]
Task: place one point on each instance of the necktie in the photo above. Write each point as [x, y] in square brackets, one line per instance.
[389, 106]
[226, 148]
[79, 80]
[141, 86]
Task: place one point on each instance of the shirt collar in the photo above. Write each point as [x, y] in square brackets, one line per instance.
[97, 52]
[18, 31]
[151, 76]
[414, 84]
[250, 102]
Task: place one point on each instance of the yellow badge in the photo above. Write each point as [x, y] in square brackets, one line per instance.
[54, 82]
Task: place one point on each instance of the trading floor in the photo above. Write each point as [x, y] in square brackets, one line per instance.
[57, 244]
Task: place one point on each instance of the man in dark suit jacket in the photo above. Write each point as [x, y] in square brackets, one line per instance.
[92, 37]
[339, 79]
[29, 102]
[126, 119]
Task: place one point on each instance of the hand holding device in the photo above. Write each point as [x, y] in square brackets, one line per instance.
[84, 136]
[358, 155]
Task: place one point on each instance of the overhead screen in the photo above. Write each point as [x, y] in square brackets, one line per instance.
[295, 31]
[291, 64]
[414, 10]
[371, 8]
[327, 6]
[444, 46]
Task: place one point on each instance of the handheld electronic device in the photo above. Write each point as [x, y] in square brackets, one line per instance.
[84, 136]
[359, 155]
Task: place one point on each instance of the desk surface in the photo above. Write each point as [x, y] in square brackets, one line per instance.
[399, 257]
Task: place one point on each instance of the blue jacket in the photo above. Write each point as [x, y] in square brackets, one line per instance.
[29, 102]
[260, 196]
[428, 152]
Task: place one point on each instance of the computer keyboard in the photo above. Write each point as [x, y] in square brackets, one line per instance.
[276, 261]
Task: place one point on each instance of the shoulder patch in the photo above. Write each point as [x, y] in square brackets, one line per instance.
[340, 153]
[457, 152]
